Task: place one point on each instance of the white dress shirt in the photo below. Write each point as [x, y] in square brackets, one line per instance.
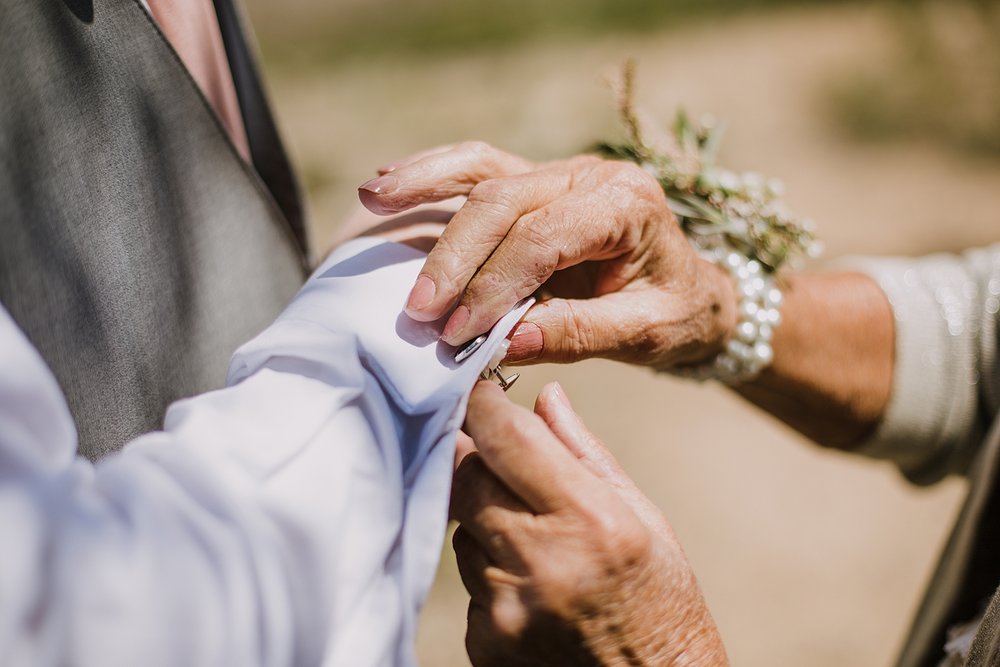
[293, 518]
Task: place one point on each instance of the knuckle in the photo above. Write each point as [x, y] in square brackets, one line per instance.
[638, 183]
[468, 475]
[543, 234]
[498, 542]
[620, 539]
[494, 199]
[505, 280]
[485, 287]
[520, 426]
[491, 192]
[445, 267]
[476, 147]
[510, 426]
[486, 161]
[505, 621]
[584, 162]
[648, 334]
[579, 333]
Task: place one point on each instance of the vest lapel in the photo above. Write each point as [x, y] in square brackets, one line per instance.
[269, 157]
[271, 171]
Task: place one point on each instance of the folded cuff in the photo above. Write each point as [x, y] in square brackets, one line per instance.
[929, 422]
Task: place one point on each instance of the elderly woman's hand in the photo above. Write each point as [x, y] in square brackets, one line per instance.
[594, 235]
[565, 560]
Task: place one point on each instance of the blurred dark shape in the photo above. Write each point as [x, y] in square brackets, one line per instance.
[941, 82]
[82, 9]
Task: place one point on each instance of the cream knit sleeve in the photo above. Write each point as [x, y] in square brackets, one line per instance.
[946, 382]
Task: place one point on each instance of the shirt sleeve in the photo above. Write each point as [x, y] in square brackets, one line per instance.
[946, 378]
[288, 519]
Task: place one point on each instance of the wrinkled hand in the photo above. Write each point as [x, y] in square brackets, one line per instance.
[595, 234]
[565, 560]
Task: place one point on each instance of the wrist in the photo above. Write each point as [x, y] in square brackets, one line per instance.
[747, 350]
[702, 645]
[716, 315]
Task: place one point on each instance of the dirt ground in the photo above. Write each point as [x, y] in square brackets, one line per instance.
[806, 557]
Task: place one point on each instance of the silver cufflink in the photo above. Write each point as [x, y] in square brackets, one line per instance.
[495, 373]
[469, 348]
[493, 370]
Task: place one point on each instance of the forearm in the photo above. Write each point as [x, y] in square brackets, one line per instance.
[833, 358]
[275, 520]
[197, 542]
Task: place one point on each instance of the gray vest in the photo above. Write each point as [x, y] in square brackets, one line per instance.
[137, 250]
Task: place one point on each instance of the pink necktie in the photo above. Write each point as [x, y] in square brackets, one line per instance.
[192, 27]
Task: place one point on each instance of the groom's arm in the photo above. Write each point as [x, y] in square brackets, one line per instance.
[214, 541]
[264, 525]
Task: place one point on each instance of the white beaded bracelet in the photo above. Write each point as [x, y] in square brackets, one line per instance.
[748, 351]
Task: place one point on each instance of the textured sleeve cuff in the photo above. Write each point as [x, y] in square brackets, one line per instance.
[930, 423]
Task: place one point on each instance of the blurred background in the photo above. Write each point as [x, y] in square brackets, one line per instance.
[883, 120]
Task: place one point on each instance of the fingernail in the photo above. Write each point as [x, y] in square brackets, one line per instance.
[560, 394]
[422, 294]
[455, 324]
[381, 185]
[526, 342]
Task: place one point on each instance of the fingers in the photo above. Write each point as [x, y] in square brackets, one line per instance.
[496, 610]
[566, 230]
[515, 233]
[486, 508]
[521, 451]
[438, 176]
[613, 326]
[410, 159]
[472, 563]
[553, 406]
[484, 581]
[472, 236]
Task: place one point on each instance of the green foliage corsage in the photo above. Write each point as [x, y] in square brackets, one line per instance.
[716, 207]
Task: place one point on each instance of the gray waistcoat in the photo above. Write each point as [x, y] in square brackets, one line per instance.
[137, 250]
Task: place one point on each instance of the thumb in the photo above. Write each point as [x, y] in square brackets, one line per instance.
[569, 330]
[553, 406]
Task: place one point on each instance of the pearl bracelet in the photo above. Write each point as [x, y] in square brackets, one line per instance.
[748, 351]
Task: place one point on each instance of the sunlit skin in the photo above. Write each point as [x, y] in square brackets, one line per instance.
[565, 560]
[620, 281]
[599, 234]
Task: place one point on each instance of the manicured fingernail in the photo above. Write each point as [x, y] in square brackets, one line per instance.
[455, 324]
[422, 294]
[525, 343]
[382, 185]
[560, 394]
